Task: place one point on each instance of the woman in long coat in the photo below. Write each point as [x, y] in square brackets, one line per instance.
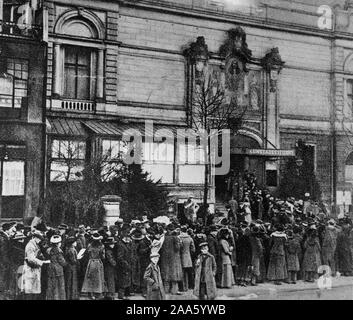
[277, 269]
[93, 283]
[257, 258]
[170, 261]
[205, 273]
[227, 280]
[244, 256]
[293, 248]
[71, 270]
[312, 256]
[110, 268]
[343, 252]
[56, 280]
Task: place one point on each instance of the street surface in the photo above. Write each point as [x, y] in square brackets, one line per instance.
[342, 289]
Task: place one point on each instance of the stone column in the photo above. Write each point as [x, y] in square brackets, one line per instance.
[100, 76]
[57, 74]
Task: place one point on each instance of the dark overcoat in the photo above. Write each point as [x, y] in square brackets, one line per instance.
[56, 280]
[210, 273]
[124, 258]
[170, 259]
[71, 280]
[110, 272]
[6, 274]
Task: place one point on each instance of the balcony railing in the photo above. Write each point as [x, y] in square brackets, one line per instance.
[73, 105]
[21, 30]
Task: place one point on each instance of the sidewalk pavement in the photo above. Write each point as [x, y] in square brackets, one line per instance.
[262, 289]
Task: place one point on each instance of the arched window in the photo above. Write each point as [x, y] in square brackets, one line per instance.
[81, 27]
[78, 68]
[349, 168]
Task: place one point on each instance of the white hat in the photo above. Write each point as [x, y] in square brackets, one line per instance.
[55, 239]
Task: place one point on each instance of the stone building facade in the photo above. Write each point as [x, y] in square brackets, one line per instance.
[22, 106]
[114, 64]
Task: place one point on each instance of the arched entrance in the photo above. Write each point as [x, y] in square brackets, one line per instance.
[240, 162]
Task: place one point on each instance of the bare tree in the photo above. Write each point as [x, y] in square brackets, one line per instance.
[211, 114]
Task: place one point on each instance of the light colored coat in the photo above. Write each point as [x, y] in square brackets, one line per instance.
[187, 248]
[210, 272]
[30, 283]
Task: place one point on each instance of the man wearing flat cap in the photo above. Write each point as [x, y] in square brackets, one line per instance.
[152, 276]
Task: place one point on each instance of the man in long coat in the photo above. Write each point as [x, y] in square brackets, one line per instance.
[187, 249]
[170, 262]
[124, 258]
[143, 253]
[34, 260]
[205, 284]
[6, 274]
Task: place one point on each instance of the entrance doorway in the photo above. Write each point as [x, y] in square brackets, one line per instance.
[239, 164]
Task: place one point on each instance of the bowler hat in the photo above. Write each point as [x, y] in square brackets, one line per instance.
[136, 235]
[63, 226]
[203, 244]
[70, 240]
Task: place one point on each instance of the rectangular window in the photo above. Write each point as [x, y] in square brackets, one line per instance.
[67, 160]
[78, 73]
[192, 153]
[13, 86]
[158, 161]
[13, 178]
[192, 174]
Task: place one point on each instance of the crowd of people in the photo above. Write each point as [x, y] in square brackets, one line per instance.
[259, 239]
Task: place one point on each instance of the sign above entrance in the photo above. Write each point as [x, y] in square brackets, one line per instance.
[264, 152]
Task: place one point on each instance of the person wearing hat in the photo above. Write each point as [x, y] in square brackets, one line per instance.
[34, 260]
[312, 254]
[143, 255]
[171, 269]
[187, 250]
[93, 283]
[137, 271]
[227, 279]
[258, 269]
[71, 269]
[56, 280]
[293, 250]
[153, 278]
[205, 273]
[329, 244]
[110, 272]
[18, 245]
[124, 258]
[277, 269]
[6, 274]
